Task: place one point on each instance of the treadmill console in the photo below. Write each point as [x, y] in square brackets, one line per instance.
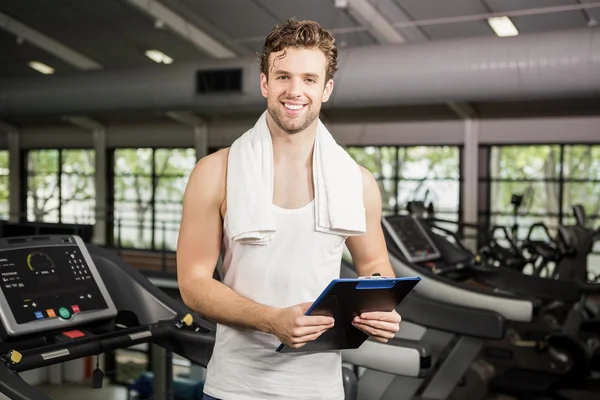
[410, 237]
[49, 283]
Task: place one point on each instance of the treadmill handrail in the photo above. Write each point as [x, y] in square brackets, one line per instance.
[452, 318]
[393, 357]
[511, 308]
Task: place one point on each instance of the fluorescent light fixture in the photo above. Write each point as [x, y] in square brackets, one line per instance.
[41, 67]
[159, 57]
[503, 26]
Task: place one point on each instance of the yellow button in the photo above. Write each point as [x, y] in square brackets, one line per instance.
[51, 313]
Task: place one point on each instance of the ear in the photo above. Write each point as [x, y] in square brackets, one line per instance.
[264, 85]
[327, 90]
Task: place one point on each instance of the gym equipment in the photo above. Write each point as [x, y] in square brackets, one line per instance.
[62, 300]
[431, 254]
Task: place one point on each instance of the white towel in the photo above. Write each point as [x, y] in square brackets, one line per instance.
[339, 206]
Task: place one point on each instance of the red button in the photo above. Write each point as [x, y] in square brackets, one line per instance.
[75, 309]
[74, 334]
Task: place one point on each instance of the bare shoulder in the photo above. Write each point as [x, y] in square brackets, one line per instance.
[209, 176]
[371, 193]
[368, 180]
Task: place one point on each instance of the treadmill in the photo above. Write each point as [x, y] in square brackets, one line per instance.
[61, 300]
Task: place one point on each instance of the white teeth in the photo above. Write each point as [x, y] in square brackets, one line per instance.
[294, 106]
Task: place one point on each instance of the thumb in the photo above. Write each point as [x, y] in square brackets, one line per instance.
[305, 306]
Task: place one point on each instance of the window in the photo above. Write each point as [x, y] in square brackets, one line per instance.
[60, 186]
[425, 173]
[148, 192]
[551, 179]
[532, 172]
[4, 184]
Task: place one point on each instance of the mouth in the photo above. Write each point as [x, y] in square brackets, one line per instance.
[292, 108]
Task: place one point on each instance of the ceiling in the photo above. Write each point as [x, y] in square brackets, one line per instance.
[72, 35]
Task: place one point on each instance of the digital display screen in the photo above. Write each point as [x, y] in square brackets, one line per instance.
[49, 282]
[416, 244]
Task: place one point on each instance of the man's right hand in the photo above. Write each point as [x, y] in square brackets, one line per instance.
[294, 329]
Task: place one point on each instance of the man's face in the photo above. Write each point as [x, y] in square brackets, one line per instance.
[296, 87]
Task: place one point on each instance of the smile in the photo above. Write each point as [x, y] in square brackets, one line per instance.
[293, 106]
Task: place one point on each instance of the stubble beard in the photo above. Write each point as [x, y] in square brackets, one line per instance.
[279, 118]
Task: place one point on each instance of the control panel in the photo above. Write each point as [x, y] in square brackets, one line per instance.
[411, 238]
[49, 282]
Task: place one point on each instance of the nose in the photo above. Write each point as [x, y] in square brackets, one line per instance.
[294, 88]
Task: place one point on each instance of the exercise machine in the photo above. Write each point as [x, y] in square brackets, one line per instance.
[61, 300]
[416, 249]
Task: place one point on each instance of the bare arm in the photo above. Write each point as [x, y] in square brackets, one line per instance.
[369, 254]
[369, 251]
[198, 250]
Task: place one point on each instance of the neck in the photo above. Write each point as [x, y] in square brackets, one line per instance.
[296, 147]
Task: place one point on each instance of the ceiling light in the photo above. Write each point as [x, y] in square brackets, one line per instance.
[158, 57]
[41, 67]
[503, 26]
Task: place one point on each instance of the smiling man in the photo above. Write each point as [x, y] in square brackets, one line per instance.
[277, 255]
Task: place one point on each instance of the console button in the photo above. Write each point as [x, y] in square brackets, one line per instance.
[66, 314]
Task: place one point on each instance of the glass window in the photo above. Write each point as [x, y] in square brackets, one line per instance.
[4, 185]
[148, 188]
[61, 186]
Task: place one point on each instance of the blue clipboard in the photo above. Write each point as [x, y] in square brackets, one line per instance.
[344, 299]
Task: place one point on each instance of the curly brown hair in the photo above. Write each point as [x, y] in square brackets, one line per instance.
[300, 34]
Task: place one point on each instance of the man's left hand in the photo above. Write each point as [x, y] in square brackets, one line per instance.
[382, 326]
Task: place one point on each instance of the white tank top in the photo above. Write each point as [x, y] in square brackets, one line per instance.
[293, 268]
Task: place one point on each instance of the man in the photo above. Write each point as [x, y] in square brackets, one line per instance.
[267, 289]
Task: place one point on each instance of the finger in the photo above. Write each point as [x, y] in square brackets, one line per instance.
[391, 316]
[314, 320]
[309, 330]
[307, 338]
[374, 332]
[380, 325]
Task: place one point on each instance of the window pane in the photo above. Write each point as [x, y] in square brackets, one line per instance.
[78, 199]
[429, 162]
[78, 161]
[582, 162]
[133, 161]
[42, 161]
[42, 197]
[134, 188]
[445, 195]
[170, 189]
[4, 184]
[585, 193]
[525, 162]
[380, 161]
[538, 197]
[166, 230]
[133, 225]
[174, 162]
